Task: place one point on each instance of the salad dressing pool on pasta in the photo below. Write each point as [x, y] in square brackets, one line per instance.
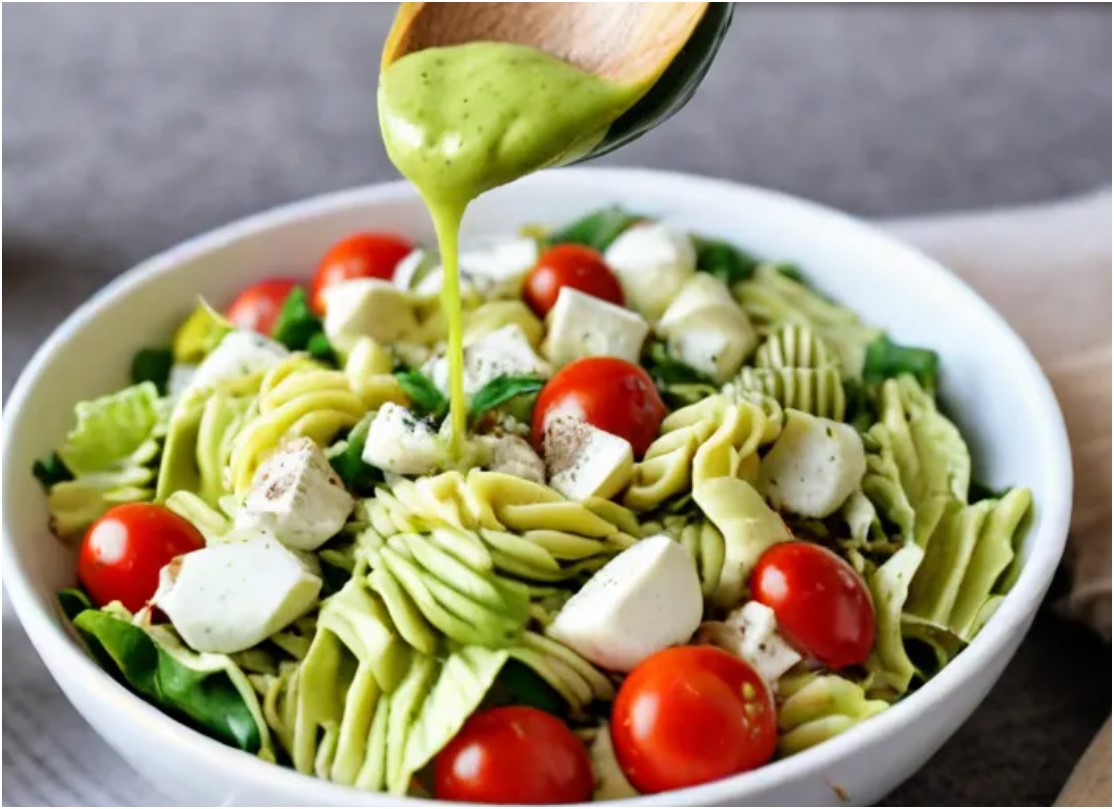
[460, 120]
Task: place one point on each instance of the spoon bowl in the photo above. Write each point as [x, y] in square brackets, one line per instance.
[664, 49]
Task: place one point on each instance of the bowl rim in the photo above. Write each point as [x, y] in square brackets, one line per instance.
[55, 643]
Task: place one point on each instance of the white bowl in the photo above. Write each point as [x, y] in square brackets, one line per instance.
[991, 384]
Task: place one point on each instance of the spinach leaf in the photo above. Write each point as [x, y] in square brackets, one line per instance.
[50, 470]
[861, 413]
[794, 273]
[981, 491]
[321, 349]
[501, 390]
[598, 229]
[358, 476]
[425, 398]
[152, 365]
[204, 699]
[523, 686]
[73, 602]
[666, 370]
[886, 359]
[722, 260]
[296, 323]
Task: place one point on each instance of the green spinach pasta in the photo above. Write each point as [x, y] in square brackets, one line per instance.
[284, 545]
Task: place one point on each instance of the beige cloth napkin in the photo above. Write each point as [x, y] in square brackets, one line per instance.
[1048, 271]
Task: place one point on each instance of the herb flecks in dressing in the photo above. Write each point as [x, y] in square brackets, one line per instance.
[461, 120]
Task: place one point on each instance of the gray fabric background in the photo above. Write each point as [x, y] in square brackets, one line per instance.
[129, 128]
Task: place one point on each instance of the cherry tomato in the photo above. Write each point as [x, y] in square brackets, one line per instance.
[257, 307]
[689, 715]
[514, 754]
[607, 392]
[123, 552]
[570, 265]
[822, 605]
[361, 255]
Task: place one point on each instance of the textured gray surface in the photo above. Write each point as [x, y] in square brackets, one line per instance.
[128, 129]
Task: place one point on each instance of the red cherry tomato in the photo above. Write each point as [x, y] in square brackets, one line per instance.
[513, 755]
[362, 255]
[570, 265]
[822, 605]
[689, 715]
[607, 392]
[123, 552]
[257, 307]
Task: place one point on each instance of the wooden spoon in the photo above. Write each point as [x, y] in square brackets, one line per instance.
[629, 43]
[664, 48]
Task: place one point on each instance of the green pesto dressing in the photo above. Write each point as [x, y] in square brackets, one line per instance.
[461, 120]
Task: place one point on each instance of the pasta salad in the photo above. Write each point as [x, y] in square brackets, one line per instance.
[704, 517]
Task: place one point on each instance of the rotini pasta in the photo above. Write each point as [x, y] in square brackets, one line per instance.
[773, 300]
[296, 398]
[715, 437]
[817, 707]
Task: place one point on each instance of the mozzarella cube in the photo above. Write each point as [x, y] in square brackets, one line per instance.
[652, 262]
[813, 467]
[403, 444]
[229, 597]
[750, 633]
[706, 329]
[714, 342]
[584, 461]
[503, 352]
[239, 354]
[645, 599]
[581, 325]
[367, 307]
[414, 266]
[296, 496]
[511, 455]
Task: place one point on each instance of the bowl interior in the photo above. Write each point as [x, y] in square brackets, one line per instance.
[990, 383]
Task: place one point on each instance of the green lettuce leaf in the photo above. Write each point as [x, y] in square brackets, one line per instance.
[114, 431]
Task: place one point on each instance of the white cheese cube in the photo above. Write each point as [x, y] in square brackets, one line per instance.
[511, 455]
[367, 307]
[296, 496]
[813, 467]
[503, 352]
[652, 262]
[581, 325]
[229, 597]
[645, 599]
[706, 329]
[239, 354]
[584, 461]
[750, 633]
[413, 268]
[713, 341]
[403, 444]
